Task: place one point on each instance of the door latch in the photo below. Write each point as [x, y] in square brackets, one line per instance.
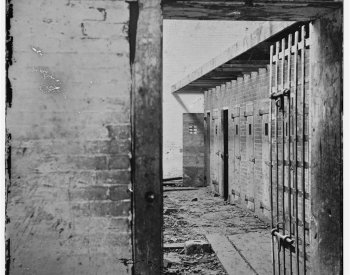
[279, 98]
[282, 240]
[238, 157]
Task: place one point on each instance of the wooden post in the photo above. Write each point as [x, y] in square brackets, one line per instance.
[326, 144]
[147, 140]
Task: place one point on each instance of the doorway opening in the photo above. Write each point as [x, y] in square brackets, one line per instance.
[245, 126]
[225, 155]
[247, 123]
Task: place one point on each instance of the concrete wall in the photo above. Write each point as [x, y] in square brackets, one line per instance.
[68, 126]
[193, 149]
[188, 44]
[326, 152]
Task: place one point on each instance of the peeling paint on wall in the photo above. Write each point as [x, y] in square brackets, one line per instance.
[50, 83]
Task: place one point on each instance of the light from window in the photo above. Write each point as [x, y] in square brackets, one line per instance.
[192, 129]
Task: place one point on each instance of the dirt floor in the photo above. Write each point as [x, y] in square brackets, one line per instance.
[190, 215]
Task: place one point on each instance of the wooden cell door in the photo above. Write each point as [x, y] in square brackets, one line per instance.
[236, 189]
[250, 157]
[265, 201]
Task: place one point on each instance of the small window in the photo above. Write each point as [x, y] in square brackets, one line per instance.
[192, 129]
[266, 129]
[250, 129]
[236, 129]
[286, 129]
[216, 129]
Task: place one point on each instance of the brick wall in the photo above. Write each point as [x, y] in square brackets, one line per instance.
[249, 182]
[69, 124]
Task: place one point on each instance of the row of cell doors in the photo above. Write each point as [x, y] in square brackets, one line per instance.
[284, 154]
[227, 145]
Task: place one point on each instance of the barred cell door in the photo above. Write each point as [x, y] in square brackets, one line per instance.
[289, 151]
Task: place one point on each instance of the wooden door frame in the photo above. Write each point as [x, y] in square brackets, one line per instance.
[145, 40]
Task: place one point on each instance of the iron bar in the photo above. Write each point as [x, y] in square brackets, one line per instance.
[288, 151]
[276, 150]
[296, 38]
[270, 157]
[303, 134]
[283, 168]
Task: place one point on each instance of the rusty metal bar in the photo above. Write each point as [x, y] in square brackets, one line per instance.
[276, 150]
[283, 168]
[270, 157]
[303, 134]
[296, 38]
[288, 151]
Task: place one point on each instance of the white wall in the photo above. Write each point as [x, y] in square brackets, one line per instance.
[186, 46]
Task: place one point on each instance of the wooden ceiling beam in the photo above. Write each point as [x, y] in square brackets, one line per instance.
[245, 63]
[225, 70]
[249, 10]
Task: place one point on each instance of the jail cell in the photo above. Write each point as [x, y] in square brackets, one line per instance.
[250, 157]
[218, 156]
[236, 155]
[207, 139]
[224, 153]
[243, 155]
[193, 149]
[214, 161]
[289, 150]
[265, 160]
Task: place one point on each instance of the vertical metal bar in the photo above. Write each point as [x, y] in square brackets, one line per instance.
[296, 37]
[303, 137]
[288, 150]
[276, 146]
[270, 156]
[311, 40]
[282, 131]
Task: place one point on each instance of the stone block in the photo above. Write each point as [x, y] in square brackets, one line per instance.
[197, 246]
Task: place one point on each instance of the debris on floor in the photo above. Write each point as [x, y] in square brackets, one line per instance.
[197, 246]
[188, 221]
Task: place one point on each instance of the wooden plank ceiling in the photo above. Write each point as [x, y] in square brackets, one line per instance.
[246, 56]
[225, 73]
[250, 10]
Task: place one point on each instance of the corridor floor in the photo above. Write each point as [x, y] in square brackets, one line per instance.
[237, 237]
